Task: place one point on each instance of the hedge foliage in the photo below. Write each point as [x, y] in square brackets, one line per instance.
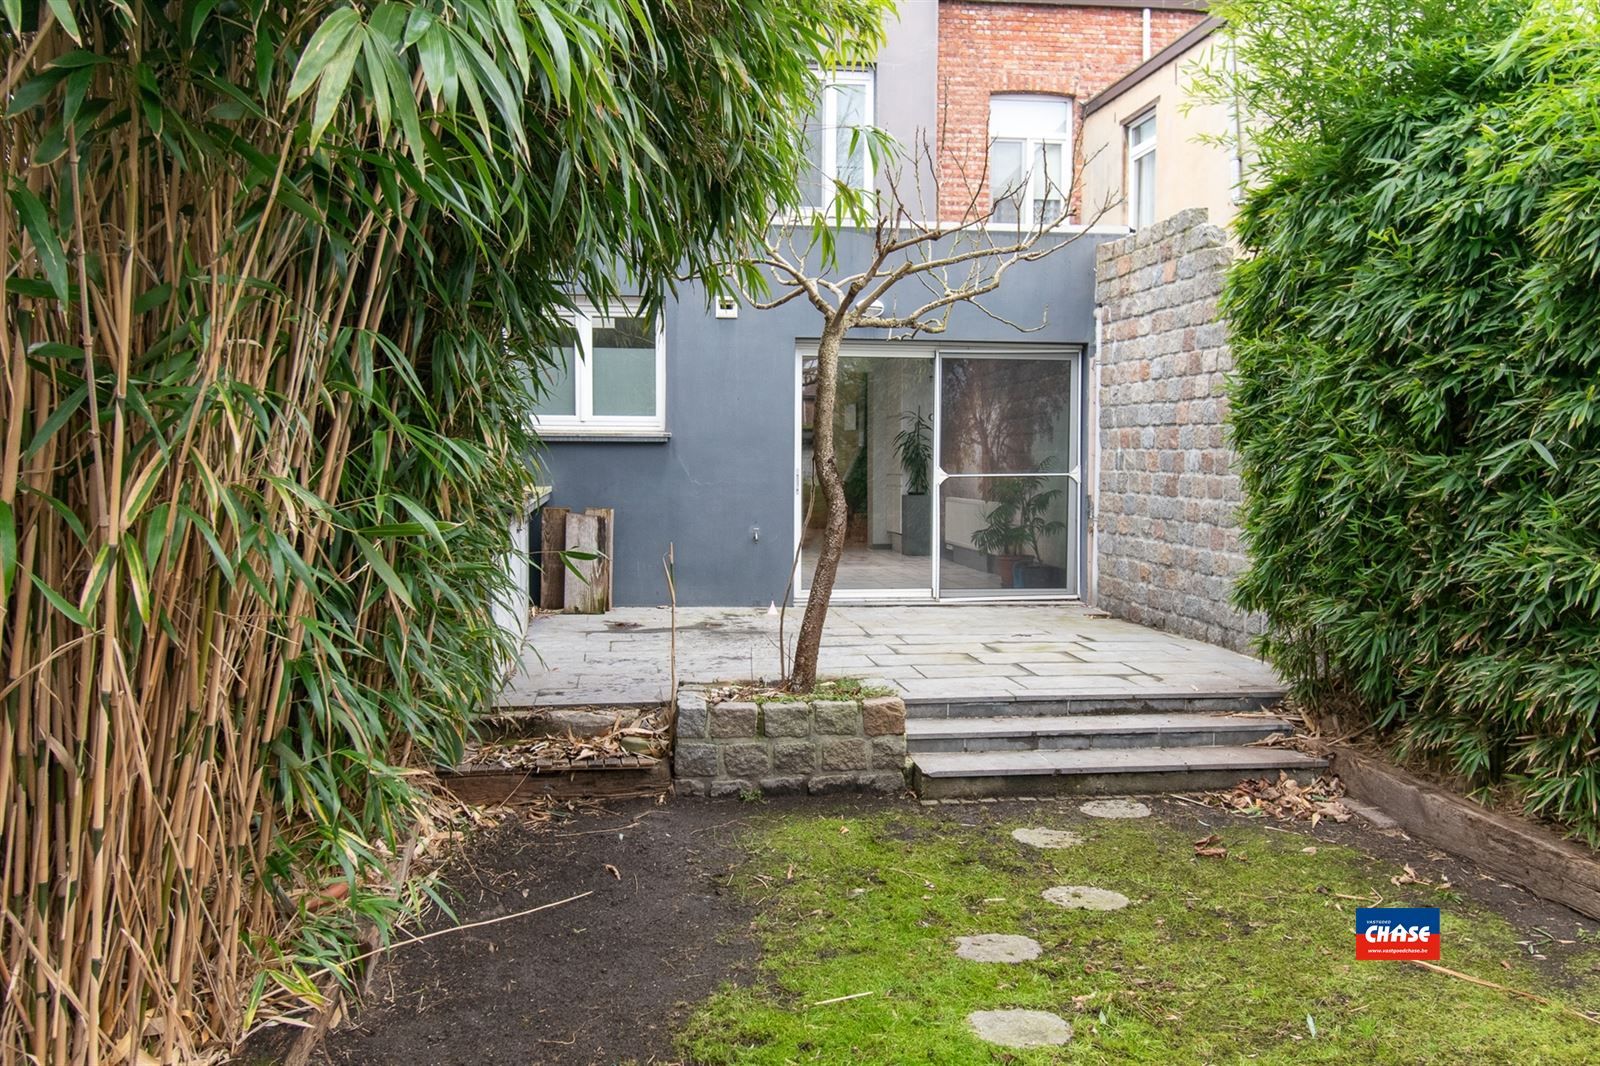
[1416, 329]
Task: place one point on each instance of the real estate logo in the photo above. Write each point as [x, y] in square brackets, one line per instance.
[1397, 933]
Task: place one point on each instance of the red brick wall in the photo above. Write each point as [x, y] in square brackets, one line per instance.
[1028, 48]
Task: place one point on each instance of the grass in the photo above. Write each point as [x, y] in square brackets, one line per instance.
[1215, 960]
[839, 688]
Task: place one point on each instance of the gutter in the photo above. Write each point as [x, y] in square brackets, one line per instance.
[1199, 32]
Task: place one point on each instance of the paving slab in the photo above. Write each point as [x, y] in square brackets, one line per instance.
[622, 656]
[1049, 839]
[1020, 1028]
[997, 947]
[1085, 898]
[1115, 808]
[1110, 761]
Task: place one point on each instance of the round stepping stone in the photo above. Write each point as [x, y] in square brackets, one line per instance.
[997, 947]
[1085, 898]
[1115, 809]
[1046, 838]
[1020, 1028]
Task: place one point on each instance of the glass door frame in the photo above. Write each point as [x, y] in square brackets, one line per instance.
[1078, 531]
[1077, 353]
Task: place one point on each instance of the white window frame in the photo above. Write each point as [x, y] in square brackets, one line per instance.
[1135, 154]
[1031, 144]
[586, 422]
[830, 127]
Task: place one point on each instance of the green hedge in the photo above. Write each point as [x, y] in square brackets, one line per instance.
[1416, 331]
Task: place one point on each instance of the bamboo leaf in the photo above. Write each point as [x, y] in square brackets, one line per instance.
[58, 601]
[327, 43]
[139, 581]
[62, 10]
[104, 562]
[385, 572]
[58, 417]
[138, 493]
[46, 244]
[333, 82]
[8, 549]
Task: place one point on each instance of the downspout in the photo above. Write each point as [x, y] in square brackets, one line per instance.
[1236, 118]
[1146, 33]
[1091, 466]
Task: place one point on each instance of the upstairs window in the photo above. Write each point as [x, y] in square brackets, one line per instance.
[1030, 156]
[609, 376]
[835, 142]
[1142, 171]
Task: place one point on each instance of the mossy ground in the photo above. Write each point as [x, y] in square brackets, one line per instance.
[1216, 961]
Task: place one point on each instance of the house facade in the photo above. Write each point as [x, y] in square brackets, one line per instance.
[1154, 146]
[969, 457]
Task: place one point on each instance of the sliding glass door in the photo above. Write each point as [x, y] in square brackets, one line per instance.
[1009, 451]
[961, 472]
[883, 437]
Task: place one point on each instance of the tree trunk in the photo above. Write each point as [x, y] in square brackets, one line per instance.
[826, 464]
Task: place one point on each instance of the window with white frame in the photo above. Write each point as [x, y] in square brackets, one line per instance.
[609, 376]
[1030, 156]
[836, 144]
[1142, 171]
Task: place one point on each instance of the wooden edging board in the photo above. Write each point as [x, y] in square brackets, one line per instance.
[1514, 848]
[493, 787]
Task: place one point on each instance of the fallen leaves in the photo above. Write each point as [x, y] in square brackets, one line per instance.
[1409, 877]
[632, 737]
[1210, 847]
[1285, 799]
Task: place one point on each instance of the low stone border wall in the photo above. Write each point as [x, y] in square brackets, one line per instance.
[736, 748]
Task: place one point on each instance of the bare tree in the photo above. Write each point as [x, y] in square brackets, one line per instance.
[942, 264]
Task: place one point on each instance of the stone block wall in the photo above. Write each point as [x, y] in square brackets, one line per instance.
[1167, 540]
[734, 748]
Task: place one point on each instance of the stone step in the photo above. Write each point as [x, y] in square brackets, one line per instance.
[1220, 700]
[976, 774]
[1088, 731]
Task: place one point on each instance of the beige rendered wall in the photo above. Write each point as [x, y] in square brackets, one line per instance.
[1189, 172]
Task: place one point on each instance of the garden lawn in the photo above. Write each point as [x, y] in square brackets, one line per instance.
[1216, 960]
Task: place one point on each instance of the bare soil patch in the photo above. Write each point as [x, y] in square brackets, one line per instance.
[602, 980]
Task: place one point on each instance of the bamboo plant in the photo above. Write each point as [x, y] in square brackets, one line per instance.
[276, 276]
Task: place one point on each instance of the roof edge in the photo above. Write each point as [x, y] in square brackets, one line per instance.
[1199, 32]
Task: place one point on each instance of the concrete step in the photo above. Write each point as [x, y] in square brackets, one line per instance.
[976, 774]
[1088, 731]
[1220, 700]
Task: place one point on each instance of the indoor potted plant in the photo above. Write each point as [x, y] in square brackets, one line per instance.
[914, 447]
[1020, 516]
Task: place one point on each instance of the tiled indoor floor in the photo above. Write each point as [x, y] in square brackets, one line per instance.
[884, 568]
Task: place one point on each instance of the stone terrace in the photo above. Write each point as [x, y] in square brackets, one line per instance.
[929, 653]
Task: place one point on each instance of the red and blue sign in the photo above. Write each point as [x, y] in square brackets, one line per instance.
[1397, 933]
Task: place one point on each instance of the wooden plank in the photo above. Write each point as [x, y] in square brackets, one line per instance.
[606, 544]
[552, 539]
[1513, 848]
[490, 788]
[583, 535]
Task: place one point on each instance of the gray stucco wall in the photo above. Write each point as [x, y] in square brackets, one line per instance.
[1168, 544]
[728, 465]
[906, 85]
